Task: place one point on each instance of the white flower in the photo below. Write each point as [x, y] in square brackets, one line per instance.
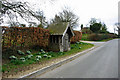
[49, 56]
[45, 55]
[20, 52]
[29, 56]
[28, 52]
[13, 57]
[38, 57]
[22, 59]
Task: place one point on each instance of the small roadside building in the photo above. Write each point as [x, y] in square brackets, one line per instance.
[60, 34]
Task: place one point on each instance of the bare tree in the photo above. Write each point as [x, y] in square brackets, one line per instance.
[118, 28]
[32, 24]
[92, 21]
[12, 8]
[16, 9]
[41, 18]
[56, 19]
[13, 23]
[66, 16]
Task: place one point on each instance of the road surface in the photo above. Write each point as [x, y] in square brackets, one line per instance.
[101, 62]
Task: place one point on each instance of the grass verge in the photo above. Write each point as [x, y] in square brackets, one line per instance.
[18, 65]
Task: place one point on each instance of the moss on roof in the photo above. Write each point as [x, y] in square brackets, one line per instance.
[58, 28]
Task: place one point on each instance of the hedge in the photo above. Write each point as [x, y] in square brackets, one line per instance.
[97, 37]
[77, 37]
[13, 37]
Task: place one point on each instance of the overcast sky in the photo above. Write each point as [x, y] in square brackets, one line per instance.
[105, 10]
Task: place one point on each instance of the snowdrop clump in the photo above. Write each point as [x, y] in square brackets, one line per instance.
[13, 57]
[20, 52]
[22, 59]
[28, 52]
[45, 55]
[38, 58]
[29, 56]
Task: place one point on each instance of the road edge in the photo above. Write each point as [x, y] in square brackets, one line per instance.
[54, 65]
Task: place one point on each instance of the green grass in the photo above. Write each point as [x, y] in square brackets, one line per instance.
[105, 40]
[75, 47]
[15, 65]
[108, 39]
[85, 37]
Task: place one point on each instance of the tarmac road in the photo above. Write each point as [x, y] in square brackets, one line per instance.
[101, 62]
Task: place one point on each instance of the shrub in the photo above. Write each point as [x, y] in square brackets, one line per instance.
[77, 37]
[86, 31]
[29, 56]
[61, 53]
[28, 52]
[24, 37]
[38, 53]
[20, 52]
[77, 42]
[72, 47]
[22, 59]
[94, 37]
[16, 62]
[95, 27]
[80, 47]
[13, 57]
[51, 53]
[49, 56]
[85, 36]
[97, 37]
[45, 55]
[39, 57]
[42, 50]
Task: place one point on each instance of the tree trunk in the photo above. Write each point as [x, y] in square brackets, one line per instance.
[118, 32]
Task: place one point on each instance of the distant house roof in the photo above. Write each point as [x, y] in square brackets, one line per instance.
[59, 28]
[86, 27]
